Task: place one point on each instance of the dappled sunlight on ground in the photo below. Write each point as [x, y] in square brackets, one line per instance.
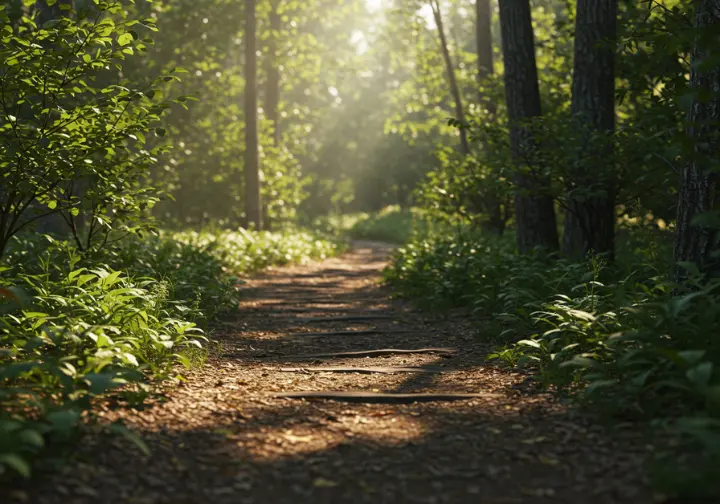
[224, 436]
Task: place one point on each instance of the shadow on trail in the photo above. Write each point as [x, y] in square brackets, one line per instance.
[226, 439]
[317, 453]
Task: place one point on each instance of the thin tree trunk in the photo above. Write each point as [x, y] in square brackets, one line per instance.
[495, 223]
[590, 219]
[694, 242]
[484, 49]
[452, 80]
[534, 211]
[253, 205]
[272, 92]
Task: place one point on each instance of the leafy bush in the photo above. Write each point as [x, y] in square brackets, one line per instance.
[614, 337]
[243, 251]
[75, 327]
[84, 333]
[391, 224]
[479, 271]
[76, 135]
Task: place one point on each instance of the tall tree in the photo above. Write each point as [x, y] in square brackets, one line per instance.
[484, 48]
[253, 204]
[450, 69]
[534, 211]
[590, 217]
[493, 205]
[272, 91]
[694, 242]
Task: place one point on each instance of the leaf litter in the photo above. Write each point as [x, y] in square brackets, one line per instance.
[223, 437]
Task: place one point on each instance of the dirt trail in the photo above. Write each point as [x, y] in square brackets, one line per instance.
[224, 436]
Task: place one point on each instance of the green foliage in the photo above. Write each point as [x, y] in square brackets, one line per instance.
[314, 55]
[480, 271]
[75, 133]
[613, 336]
[85, 332]
[244, 251]
[392, 224]
[76, 328]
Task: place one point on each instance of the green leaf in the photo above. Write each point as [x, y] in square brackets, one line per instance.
[102, 382]
[701, 374]
[692, 356]
[125, 39]
[530, 343]
[32, 438]
[16, 462]
[131, 436]
[63, 420]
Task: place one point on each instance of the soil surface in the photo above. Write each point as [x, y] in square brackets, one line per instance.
[225, 436]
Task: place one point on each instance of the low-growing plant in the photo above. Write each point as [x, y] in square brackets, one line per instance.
[77, 326]
[80, 334]
[393, 224]
[620, 338]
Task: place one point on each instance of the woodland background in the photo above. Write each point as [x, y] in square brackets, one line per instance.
[551, 165]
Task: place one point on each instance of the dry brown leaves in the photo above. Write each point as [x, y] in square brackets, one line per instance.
[222, 437]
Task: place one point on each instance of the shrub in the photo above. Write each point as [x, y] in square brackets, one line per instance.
[76, 136]
[612, 336]
[82, 333]
[78, 326]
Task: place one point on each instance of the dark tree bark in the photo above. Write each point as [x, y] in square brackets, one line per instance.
[694, 242]
[253, 204]
[590, 217]
[534, 211]
[452, 80]
[483, 45]
[492, 205]
[272, 91]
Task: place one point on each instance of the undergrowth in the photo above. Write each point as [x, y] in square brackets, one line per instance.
[76, 328]
[621, 339]
[391, 224]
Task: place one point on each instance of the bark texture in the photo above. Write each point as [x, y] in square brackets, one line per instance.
[272, 91]
[483, 41]
[534, 211]
[698, 194]
[253, 205]
[590, 217]
[497, 215]
[452, 80]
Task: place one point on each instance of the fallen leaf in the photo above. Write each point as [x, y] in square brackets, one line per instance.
[548, 460]
[324, 483]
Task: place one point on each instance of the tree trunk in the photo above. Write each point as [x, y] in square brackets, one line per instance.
[534, 211]
[272, 91]
[590, 219]
[454, 89]
[484, 48]
[253, 205]
[694, 242]
[485, 68]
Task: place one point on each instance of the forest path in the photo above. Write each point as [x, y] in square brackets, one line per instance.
[225, 436]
